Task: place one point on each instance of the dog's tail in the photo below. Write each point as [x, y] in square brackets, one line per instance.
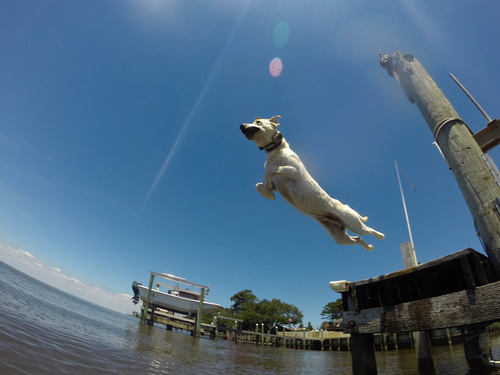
[363, 219]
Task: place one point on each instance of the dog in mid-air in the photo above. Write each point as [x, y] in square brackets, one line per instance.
[285, 173]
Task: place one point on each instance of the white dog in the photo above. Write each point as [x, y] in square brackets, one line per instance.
[286, 174]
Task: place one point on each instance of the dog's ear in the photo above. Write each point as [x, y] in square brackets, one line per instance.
[274, 118]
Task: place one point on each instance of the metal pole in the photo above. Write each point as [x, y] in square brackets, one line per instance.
[471, 98]
[404, 205]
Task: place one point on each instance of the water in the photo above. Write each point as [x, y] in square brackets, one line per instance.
[46, 331]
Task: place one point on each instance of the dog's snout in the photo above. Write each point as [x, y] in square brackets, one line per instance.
[248, 130]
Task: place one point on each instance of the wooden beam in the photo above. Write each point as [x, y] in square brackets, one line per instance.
[229, 318]
[489, 137]
[451, 310]
[420, 267]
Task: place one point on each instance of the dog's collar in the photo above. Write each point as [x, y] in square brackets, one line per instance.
[276, 142]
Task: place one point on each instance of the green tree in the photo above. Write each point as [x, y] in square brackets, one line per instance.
[332, 311]
[241, 298]
[272, 313]
[277, 314]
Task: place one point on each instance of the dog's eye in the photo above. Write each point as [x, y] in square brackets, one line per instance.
[259, 123]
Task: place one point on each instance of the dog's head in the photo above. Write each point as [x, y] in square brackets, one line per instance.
[261, 131]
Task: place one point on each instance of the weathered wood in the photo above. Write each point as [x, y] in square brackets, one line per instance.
[457, 145]
[148, 298]
[229, 318]
[425, 360]
[420, 267]
[451, 310]
[151, 320]
[363, 354]
[200, 313]
[477, 347]
[408, 254]
[488, 137]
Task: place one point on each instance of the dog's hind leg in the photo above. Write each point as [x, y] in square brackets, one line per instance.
[362, 229]
[356, 223]
[367, 230]
[340, 235]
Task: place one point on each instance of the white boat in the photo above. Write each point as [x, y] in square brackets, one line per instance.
[181, 301]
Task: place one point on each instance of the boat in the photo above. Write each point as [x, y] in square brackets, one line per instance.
[176, 299]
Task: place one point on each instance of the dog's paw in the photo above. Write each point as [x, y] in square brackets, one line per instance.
[369, 247]
[266, 193]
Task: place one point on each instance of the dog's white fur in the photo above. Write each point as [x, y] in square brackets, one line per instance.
[286, 174]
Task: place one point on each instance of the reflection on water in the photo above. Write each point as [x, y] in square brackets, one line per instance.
[46, 331]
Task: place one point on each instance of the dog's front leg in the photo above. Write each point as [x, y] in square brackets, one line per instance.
[266, 193]
[267, 187]
[286, 171]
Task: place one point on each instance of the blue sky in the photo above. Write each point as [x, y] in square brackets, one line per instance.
[120, 149]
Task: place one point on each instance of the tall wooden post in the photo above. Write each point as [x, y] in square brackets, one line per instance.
[146, 303]
[362, 347]
[464, 157]
[477, 347]
[200, 313]
[363, 354]
[457, 145]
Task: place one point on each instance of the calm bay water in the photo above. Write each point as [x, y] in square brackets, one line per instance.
[46, 331]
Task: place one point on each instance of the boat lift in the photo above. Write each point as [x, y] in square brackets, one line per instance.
[204, 288]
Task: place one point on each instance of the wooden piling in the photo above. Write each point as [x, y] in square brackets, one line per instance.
[458, 146]
[200, 313]
[425, 360]
[363, 354]
[477, 347]
[464, 157]
[148, 298]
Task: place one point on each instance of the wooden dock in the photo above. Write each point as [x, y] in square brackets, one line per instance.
[457, 291]
[308, 340]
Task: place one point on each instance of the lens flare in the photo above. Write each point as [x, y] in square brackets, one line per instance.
[281, 32]
[275, 67]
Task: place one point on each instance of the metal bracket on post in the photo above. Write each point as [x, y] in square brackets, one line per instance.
[497, 205]
[492, 167]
